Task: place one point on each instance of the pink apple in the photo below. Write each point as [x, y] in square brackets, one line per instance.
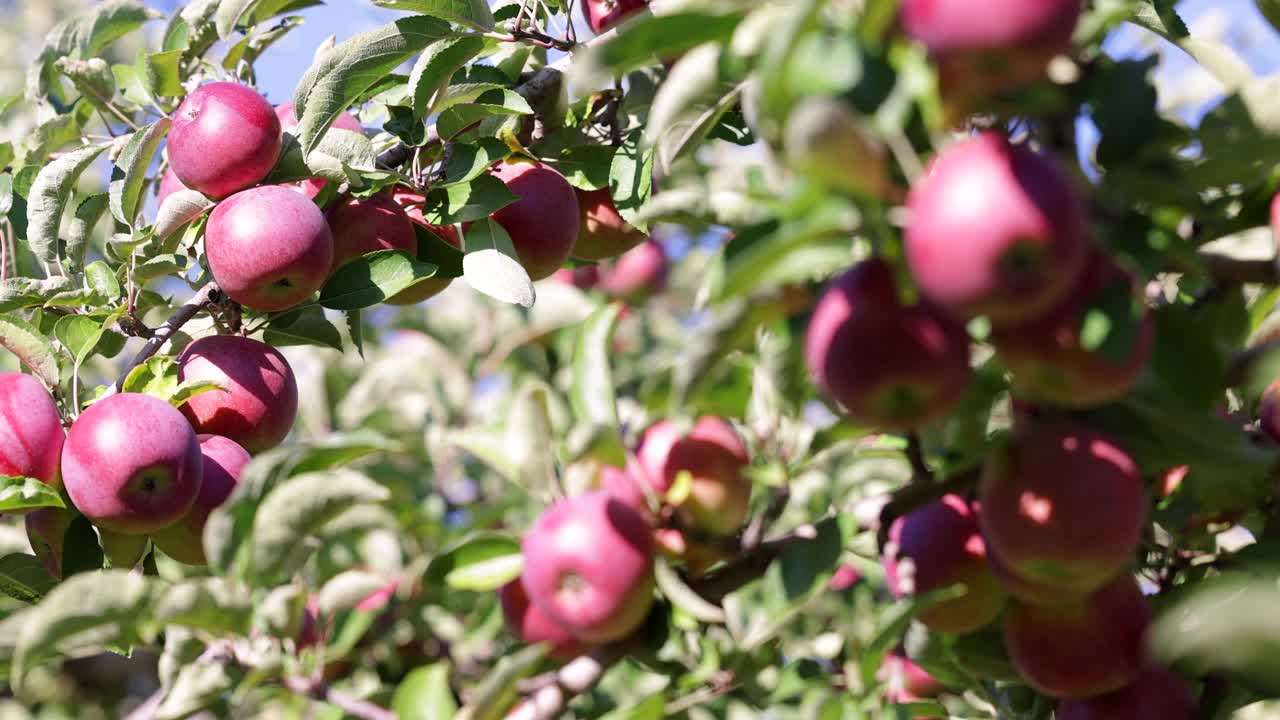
[530, 625]
[225, 137]
[223, 463]
[259, 400]
[543, 223]
[31, 433]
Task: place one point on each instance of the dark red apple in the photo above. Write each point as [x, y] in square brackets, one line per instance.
[31, 433]
[225, 137]
[603, 232]
[588, 565]
[1062, 506]
[531, 625]
[996, 229]
[889, 364]
[269, 247]
[132, 464]
[1088, 648]
[716, 459]
[223, 463]
[543, 223]
[604, 14]
[638, 273]
[259, 400]
[934, 548]
[1157, 694]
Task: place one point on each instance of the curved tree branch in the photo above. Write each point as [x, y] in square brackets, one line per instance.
[205, 296]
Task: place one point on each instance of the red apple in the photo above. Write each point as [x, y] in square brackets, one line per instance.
[845, 577]
[588, 565]
[890, 365]
[603, 232]
[269, 247]
[223, 463]
[1088, 648]
[361, 226]
[225, 137]
[905, 681]
[132, 464]
[289, 122]
[169, 184]
[1062, 506]
[585, 277]
[412, 203]
[986, 47]
[936, 547]
[996, 229]
[46, 529]
[531, 625]
[31, 433]
[604, 14]
[715, 457]
[639, 273]
[1046, 355]
[1157, 694]
[259, 400]
[543, 223]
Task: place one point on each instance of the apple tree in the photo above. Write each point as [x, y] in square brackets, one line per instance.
[606, 359]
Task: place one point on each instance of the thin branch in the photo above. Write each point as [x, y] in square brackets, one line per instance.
[355, 707]
[206, 295]
[915, 454]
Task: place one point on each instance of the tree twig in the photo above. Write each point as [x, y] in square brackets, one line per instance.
[355, 707]
[203, 297]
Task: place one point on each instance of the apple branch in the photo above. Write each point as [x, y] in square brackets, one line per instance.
[205, 296]
[355, 707]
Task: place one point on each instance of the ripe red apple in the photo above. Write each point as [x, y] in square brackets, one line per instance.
[132, 464]
[638, 273]
[31, 433]
[225, 137]
[905, 681]
[603, 232]
[530, 625]
[1028, 591]
[888, 364]
[260, 400]
[269, 247]
[623, 485]
[715, 457]
[1046, 355]
[169, 184]
[588, 565]
[1062, 506]
[1088, 648]
[289, 122]
[223, 462]
[46, 529]
[543, 223]
[361, 226]
[936, 547]
[585, 277]
[845, 577]
[996, 229]
[986, 48]
[1157, 694]
[412, 203]
[604, 14]
[1269, 411]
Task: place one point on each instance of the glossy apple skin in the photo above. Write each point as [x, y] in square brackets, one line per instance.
[269, 247]
[1050, 364]
[412, 203]
[936, 547]
[543, 223]
[132, 464]
[716, 459]
[530, 625]
[46, 529]
[603, 233]
[889, 365]
[602, 15]
[996, 229]
[31, 434]
[588, 565]
[638, 274]
[986, 48]
[1092, 647]
[223, 461]
[1062, 506]
[1157, 694]
[225, 137]
[289, 122]
[260, 401]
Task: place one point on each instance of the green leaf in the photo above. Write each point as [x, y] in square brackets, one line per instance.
[197, 687]
[528, 438]
[88, 213]
[685, 597]
[1270, 10]
[229, 14]
[81, 552]
[483, 562]
[339, 156]
[130, 174]
[178, 209]
[79, 334]
[649, 37]
[453, 121]
[214, 605]
[435, 66]
[161, 74]
[48, 199]
[468, 202]
[492, 267]
[17, 293]
[91, 77]
[19, 494]
[343, 74]
[23, 578]
[586, 167]
[489, 446]
[469, 161]
[371, 279]
[424, 694]
[89, 32]
[299, 507]
[160, 266]
[348, 589]
[32, 348]
[88, 610]
[308, 326]
[592, 395]
[191, 388]
[472, 13]
[250, 48]
[102, 281]
[631, 179]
